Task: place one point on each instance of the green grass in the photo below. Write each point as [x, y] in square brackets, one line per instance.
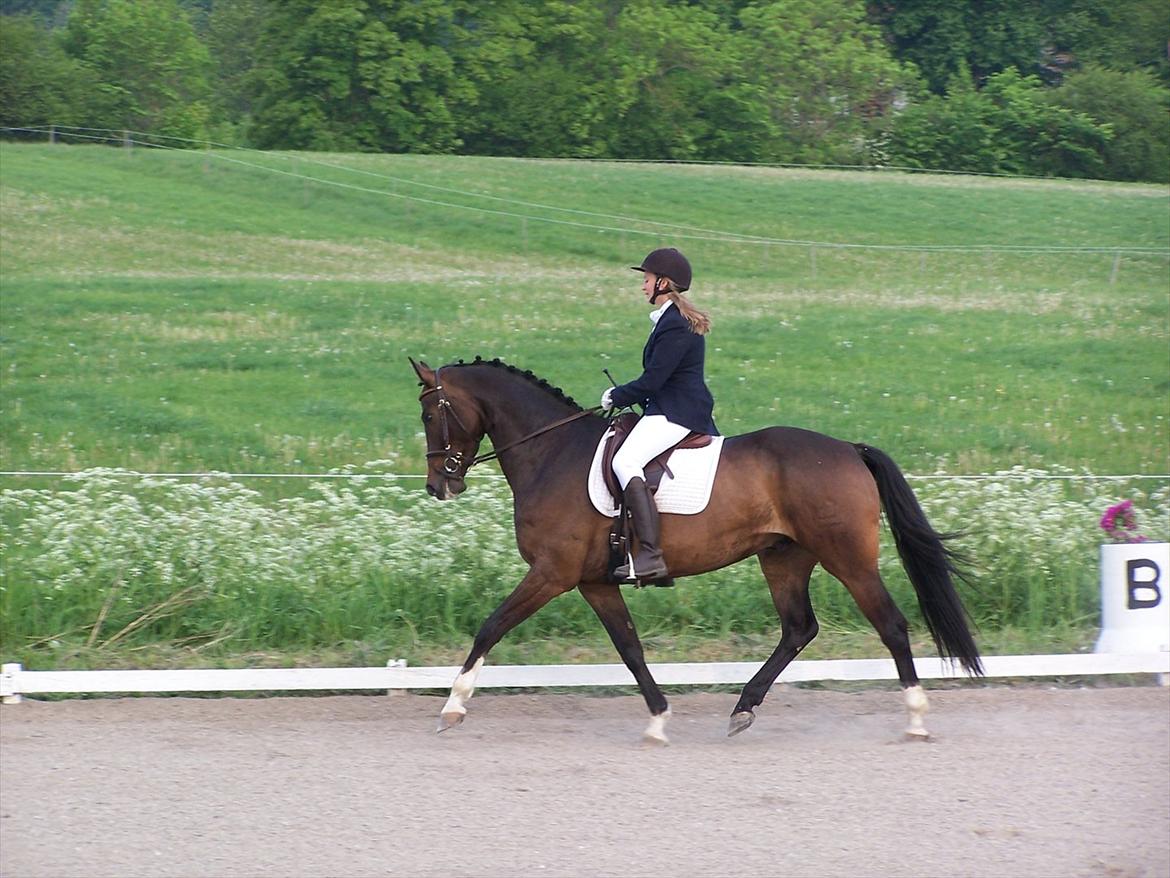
[163, 310]
[177, 311]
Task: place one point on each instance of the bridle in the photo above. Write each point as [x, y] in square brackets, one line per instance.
[453, 463]
[454, 459]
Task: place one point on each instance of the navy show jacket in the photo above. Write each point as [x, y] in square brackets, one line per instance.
[671, 382]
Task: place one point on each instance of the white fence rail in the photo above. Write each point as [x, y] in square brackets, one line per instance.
[15, 681]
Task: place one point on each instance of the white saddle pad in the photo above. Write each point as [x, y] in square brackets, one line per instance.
[686, 494]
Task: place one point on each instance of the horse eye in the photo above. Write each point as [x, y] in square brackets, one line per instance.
[426, 418]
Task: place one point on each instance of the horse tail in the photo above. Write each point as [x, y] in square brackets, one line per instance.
[929, 563]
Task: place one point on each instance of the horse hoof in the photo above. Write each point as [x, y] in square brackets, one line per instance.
[740, 722]
[656, 732]
[917, 735]
[449, 719]
[655, 738]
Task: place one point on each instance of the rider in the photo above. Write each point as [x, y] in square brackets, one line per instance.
[675, 397]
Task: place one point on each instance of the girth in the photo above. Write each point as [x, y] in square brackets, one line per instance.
[655, 469]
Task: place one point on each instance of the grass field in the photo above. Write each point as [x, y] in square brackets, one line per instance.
[170, 311]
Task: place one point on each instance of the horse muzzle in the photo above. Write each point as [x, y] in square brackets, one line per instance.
[445, 487]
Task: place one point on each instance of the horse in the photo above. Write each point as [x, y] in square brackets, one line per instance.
[791, 497]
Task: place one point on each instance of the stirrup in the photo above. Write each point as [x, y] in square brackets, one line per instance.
[663, 580]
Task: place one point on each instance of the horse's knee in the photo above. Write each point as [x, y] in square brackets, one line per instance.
[807, 632]
[800, 632]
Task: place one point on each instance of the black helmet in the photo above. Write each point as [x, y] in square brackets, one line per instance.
[668, 262]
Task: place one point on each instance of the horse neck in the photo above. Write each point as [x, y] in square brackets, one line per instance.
[514, 408]
[514, 416]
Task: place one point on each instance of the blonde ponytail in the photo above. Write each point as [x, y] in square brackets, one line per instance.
[700, 321]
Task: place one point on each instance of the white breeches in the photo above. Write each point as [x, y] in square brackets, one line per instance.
[651, 436]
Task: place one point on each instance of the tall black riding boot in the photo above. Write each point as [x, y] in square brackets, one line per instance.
[648, 563]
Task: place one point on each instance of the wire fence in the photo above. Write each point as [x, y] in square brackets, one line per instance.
[633, 225]
[214, 474]
[54, 131]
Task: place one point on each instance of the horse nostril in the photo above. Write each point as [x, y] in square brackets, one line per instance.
[431, 490]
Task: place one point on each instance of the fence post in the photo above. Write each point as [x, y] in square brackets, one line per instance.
[812, 255]
[126, 141]
[396, 663]
[52, 134]
[8, 691]
[1116, 268]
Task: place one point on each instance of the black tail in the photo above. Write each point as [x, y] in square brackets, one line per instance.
[930, 564]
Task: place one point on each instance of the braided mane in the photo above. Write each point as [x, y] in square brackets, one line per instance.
[535, 380]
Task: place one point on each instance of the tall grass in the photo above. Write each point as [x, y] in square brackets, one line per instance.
[115, 562]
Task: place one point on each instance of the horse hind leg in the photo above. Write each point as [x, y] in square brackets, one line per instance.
[787, 569]
[891, 626]
[879, 608]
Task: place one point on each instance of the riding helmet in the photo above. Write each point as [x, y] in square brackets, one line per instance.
[668, 262]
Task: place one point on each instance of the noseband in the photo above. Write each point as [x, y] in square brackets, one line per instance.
[453, 460]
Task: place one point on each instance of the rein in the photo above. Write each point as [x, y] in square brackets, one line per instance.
[453, 461]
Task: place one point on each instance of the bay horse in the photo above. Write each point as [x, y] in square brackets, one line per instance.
[791, 497]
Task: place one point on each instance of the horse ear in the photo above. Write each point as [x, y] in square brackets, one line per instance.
[424, 372]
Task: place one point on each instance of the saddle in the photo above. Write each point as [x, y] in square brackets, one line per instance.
[655, 469]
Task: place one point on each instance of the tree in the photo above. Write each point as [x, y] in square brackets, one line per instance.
[1043, 138]
[676, 89]
[544, 92]
[149, 68]
[640, 79]
[634, 80]
[48, 12]
[1009, 127]
[1120, 35]
[361, 75]
[822, 73]
[1136, 107]
[952, 132]
[233, 33]
[949, 38]
[39, 83]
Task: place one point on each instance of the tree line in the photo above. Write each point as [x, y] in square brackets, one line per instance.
[1073, 88]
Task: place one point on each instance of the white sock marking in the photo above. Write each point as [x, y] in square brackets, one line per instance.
[918, 704]
[462, 689]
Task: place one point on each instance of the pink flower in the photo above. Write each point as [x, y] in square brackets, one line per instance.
[1123, 530]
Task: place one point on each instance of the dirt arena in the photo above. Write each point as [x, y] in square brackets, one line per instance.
[1018, 781]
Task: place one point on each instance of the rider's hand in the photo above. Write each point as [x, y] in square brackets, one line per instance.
[607, 398]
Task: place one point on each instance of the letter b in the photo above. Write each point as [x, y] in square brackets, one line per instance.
[1135, 585]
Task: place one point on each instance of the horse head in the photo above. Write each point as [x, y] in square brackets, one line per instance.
[454, 427]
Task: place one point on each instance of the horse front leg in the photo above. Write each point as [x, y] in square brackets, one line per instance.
[609, 604]
[534, 591]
